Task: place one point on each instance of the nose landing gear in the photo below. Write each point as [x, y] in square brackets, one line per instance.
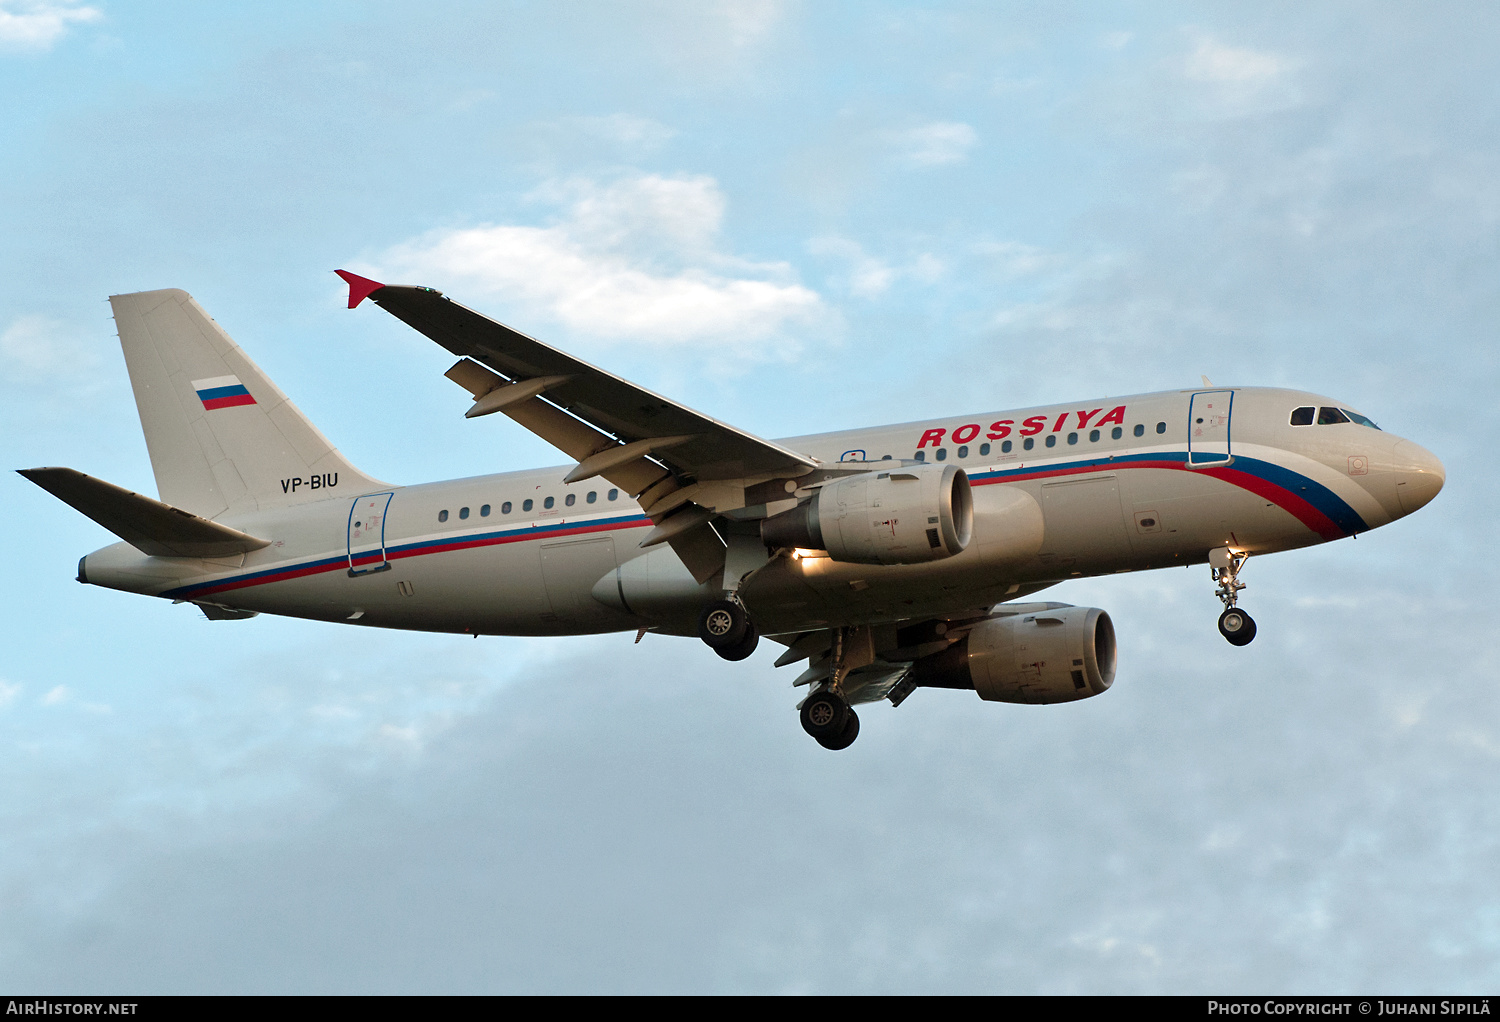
[1234, 624]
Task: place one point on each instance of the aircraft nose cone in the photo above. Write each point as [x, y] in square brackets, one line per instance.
[1419, 475]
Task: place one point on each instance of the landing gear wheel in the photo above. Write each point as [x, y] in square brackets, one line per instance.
[723, 624]
[745, 647]
[1237, 626]
[846, 737]
[824, 715]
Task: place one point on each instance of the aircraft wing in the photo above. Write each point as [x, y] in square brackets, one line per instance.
[695, 446]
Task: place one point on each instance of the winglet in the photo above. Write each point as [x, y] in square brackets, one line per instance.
[360, 288]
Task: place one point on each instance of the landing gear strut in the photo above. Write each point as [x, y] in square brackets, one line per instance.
[727, 630]
[1234, 624]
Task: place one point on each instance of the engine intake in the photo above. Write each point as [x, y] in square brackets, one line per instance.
[907, 515]
[1051, 656]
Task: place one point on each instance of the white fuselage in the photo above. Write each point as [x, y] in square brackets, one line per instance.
[1109, 485]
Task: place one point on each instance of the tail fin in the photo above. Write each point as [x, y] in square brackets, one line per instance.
[222, 436]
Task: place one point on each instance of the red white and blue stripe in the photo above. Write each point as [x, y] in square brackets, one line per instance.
[1316, 506]
[1311, 503]
[222, 392]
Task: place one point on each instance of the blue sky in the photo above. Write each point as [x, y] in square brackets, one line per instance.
[795, 217]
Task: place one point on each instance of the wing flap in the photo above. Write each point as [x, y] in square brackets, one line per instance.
[154, 528]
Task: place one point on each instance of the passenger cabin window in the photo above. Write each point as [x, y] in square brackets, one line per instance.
[1140, 429]
[593, 496]
[921, 455]
[570, 499]
[963, 452]
[1073, 438]
[613, 494]
[443, 515]
[1302, 416]
[984, 449]
[463, 512]
[942, 454]
[1118, 432]
[1331, 417]
[548, 503]
[505, 508]
[1029, 443]
[484, 511]
[1005, 448]
[1052, 441]
[526, 505]
[1161, 427]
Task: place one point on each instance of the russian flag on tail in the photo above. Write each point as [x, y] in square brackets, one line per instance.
[222, 392]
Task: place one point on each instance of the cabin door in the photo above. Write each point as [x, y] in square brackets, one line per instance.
[1208, 428]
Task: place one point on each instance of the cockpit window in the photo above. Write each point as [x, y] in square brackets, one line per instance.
[1302, 416]
[1356, 417]
[1331, 417]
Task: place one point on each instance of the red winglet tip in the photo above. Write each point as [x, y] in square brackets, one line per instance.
[360, 288]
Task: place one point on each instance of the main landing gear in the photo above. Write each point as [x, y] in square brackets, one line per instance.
[826, 714]
[830, 720]
[727, 630]
[1234, 624]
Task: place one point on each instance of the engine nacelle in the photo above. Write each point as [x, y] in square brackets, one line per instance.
[1050, 656]
[908, 514]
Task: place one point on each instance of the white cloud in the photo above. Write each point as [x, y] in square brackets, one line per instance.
[635, 259]
[1016, 259]
[626, 129]
[1212, 61]
[867, 276]
[1234, 81]
[935, 144]
[8, 692]
[37, 24]
[749, 21]
[34, 345]
[57, 696]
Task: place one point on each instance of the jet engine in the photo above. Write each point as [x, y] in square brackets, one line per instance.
[1051, 656]
[907, 515]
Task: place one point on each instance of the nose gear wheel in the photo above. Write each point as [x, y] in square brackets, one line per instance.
[1237, 626]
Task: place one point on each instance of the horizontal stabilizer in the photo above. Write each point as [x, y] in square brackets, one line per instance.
[154, 528]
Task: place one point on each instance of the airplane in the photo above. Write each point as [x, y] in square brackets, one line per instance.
[885, 559]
